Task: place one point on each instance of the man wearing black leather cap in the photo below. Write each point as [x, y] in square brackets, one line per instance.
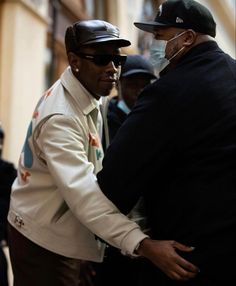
[177, 147]
[56, 204]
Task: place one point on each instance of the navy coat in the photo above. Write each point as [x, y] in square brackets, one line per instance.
[115, 117]
[177, 149]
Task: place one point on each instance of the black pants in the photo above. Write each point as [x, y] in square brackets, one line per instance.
[34, 265]
[3, 269]
[117, 270]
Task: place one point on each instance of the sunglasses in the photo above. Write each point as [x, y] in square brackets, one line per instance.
[104, 60]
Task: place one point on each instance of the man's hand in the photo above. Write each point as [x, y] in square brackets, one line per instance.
[162, 253]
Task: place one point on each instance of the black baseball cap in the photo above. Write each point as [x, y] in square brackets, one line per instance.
[89, 32]
[186, 14]
[137, 64]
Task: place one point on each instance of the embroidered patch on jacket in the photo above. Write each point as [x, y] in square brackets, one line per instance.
[35, 114]
[28, 156]
[94, 140]
[48, 92]
[98, 154]
[24, 176]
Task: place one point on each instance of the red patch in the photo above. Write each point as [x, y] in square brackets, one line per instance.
[48, 93]
[24, 176]
[93, 140]
[35, 114]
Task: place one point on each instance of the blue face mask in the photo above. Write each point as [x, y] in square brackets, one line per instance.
[158, 54]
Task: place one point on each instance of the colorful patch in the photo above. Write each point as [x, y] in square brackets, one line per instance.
[35, 114]
[98, 154]
[94, 140]
[28, 156]
[48, 93]
[24, 176]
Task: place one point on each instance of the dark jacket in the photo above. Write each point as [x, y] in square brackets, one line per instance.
[7, 176]
[115, 117]
[177, 149]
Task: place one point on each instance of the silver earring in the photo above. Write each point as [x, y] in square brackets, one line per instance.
[77, 70]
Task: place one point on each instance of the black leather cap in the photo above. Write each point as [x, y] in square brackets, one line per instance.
[186, 14]
[97, 31]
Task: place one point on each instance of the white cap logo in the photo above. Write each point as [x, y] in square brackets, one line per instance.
[160, 10]
[179, 20]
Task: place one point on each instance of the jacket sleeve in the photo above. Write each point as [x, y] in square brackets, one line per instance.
[63, 145]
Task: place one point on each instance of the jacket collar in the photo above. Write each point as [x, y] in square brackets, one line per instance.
[199, 49]
[202, 48]
[80, 94]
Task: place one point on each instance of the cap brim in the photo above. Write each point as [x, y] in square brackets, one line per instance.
[149, 26]
[118, 41]
[138, 71]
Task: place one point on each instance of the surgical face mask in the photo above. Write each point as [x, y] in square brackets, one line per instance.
[158, 54]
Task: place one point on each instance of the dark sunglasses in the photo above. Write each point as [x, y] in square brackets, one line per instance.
[104, 60]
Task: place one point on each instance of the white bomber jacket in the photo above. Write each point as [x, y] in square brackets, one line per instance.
[56, 201]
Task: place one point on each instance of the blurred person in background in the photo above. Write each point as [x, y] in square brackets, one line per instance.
[56, 204]
[177, 147]
[7, 176]
[136, 73]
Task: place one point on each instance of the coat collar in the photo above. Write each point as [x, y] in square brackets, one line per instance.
[80, 94]
[201, 48]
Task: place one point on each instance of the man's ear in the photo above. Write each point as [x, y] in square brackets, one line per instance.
[73, 61]
[190, 38]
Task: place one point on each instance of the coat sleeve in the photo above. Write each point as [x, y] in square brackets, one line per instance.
[62, 144]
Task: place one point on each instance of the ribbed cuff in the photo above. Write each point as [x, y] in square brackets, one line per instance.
[131, 241]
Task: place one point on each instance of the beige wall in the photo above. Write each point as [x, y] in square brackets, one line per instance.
[23, 38]
[123, 13]
[224, 15]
